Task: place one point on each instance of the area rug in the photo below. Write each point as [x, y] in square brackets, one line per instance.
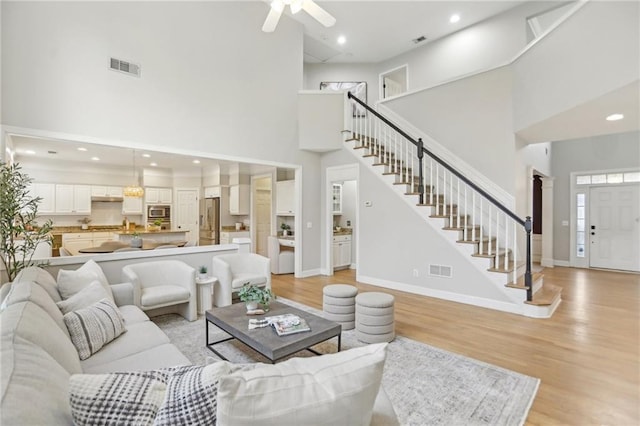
[427, 385]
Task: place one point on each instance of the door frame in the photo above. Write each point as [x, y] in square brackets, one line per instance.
[332, 175]
[174, 209]
[252, 220]
[382, 75]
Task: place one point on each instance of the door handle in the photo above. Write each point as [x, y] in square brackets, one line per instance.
[593, 233]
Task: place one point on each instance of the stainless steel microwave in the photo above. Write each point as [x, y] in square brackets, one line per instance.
[159, 212]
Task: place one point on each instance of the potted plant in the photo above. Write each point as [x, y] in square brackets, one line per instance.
[136, 241]
[285, 229]
[252, 296]
[85, 221]
[157, 225]
[202, 270]
[19, 231]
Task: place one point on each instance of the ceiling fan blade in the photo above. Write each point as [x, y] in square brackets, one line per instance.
[318, 13]
[272, 20]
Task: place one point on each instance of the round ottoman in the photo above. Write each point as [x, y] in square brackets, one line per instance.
[375, 317]
[338, 304]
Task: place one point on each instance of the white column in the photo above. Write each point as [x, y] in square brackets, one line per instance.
[547, 222]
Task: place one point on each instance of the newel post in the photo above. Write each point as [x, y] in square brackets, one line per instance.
[527, 274]
[420, 177]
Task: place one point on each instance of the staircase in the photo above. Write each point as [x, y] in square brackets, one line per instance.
[484, 227]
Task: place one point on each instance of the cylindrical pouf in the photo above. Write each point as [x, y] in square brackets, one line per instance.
[338, 304]
[375, 317]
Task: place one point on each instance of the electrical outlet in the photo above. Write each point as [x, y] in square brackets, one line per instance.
[416, 273]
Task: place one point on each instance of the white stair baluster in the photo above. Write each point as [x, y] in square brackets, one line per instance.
[490, 230]
[473, 215]
[481, 211]
[506, 241]
[514, 250]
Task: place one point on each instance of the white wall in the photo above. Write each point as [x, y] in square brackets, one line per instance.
[607, 152]
[212, 83]
[349, 198]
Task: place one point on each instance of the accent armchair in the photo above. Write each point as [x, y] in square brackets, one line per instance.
[282, 258]
[235, 270]
[163, 287]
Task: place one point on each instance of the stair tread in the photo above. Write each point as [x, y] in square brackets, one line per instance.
[519, 284]
[546, 296]
[484, 240]
[508, 269]
[493, 254]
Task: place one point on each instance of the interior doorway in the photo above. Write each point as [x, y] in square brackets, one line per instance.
[394, 82]
[187, 213]
[262, 200]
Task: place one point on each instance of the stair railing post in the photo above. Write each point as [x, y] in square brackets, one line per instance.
[420, 176]
[527, 274]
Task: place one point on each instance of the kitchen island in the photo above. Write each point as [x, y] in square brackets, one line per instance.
[163, 236]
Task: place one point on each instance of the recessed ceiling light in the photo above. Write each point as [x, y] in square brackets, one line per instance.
[196, 161]
[146, 155]
[95, 158]
[615, 117]
[342, 39]
[454, 18]
[153, 164]
[29, 151]
[80, 148]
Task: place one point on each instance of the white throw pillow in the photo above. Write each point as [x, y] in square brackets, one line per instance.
[336, 389]
[71, 282]
[89, 295]
[93, 327]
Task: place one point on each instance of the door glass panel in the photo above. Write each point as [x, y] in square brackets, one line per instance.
[599, 179]
[580, 212]
[614, 178]
[632, 177]
[583, 180]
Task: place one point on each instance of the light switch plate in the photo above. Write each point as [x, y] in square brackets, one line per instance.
[565, 223]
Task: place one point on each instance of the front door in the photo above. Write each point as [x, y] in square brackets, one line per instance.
[615, 227]
[187, 213]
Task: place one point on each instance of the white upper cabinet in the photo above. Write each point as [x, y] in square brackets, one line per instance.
[106, 191]
[212, 192]
[337, 198]
[131, 205]
[47, 193]
[157, 195]
[239, 199]
[285, 198]
[73, 199]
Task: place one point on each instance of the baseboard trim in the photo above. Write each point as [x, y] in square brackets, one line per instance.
[564, 263]
[445, 295]
[547, 262]
[309, 273]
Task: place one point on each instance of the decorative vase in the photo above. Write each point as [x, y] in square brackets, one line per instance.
[284, 232]
[252, 305]
[203, 276]
[136, 242]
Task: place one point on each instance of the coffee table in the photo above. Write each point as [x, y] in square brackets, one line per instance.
[234, 320]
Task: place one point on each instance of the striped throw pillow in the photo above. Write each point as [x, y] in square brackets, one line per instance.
[94, 326]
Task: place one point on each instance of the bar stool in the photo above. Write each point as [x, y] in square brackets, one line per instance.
[338, 304]
[375, 321]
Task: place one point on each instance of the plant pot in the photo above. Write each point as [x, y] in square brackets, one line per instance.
[251, 305]
[85, 226]
[136, 242]
[203, 276]
[284, 233]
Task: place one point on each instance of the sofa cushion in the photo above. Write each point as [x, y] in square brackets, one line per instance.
[89, 295]
[163, 294]
[161, 356]
[116, 398]
[139, 337]
[71, 282]
[327, 390]
[23, 291]
[93, 327]
[132, 314]
[191, 397]
[29, 321]
[41, 277]
[240, 279]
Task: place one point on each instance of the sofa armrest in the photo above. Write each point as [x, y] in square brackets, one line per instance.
[122, 294]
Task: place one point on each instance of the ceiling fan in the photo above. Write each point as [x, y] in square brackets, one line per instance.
[309, 6]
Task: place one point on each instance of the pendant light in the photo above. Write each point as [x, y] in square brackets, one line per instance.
[135, 190]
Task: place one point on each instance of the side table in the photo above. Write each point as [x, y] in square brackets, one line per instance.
[205, 293]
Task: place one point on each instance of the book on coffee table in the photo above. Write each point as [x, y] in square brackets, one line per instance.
[288, 324]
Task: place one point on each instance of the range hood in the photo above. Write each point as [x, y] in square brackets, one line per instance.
[106, 199]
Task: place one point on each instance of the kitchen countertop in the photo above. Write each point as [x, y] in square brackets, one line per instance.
[233, 229]
[59, 230]
[343, 231]
[144, 231]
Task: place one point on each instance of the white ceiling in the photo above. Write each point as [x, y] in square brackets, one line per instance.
[379, 30]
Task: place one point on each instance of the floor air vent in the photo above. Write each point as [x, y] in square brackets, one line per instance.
[125, 67]
[440, 271]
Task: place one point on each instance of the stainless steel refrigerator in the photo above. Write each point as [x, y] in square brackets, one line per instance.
[209, 221]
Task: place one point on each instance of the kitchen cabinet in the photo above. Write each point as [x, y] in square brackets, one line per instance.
[75, 241]
[132, 205]
[337, 198]
[341, 251]
[73, 199]
[47, 193]
[285, 198]
[158, 195]
[106, 191]
[239, 199]
[212, 192]
[227, 237]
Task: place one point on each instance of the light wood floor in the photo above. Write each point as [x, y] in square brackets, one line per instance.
[587, 354]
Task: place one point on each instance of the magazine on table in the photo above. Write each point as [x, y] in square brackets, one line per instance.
[288, 324]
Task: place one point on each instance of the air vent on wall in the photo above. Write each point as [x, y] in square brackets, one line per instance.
[125, 67]
[440, 271]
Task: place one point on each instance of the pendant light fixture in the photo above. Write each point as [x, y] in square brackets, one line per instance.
[134, 190]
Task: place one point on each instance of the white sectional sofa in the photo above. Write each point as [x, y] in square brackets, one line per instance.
[38, 357]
